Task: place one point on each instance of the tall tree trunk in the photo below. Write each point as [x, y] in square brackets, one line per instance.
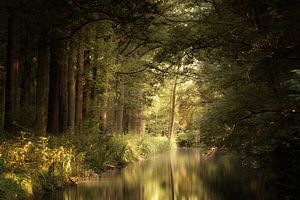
[63, 66]
[172, 110]
[79, 86]
[41, 89]
[12, 72]
[103, 125]
[120, 107]
[93, 87]
[87, 64]
[72, 85]
[2, 98]
[54, 89]
[26, 79]
[125, 121]
[141, 122]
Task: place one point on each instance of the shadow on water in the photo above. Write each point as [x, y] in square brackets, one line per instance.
[179, 174]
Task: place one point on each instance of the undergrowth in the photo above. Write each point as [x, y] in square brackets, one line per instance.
[31, 165]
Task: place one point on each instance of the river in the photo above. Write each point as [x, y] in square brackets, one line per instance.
[182, 174]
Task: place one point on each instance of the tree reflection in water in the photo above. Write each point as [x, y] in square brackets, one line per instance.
[180, 174]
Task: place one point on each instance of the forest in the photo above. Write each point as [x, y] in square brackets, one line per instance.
[89, 85]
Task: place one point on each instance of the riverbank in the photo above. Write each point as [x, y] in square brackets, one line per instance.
[33, 165]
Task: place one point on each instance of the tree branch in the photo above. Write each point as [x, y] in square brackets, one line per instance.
[132, 72]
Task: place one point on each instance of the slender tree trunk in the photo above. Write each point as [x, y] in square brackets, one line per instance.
[41, 89]
[2, 98]
[110, 109]
[125, 121]
[120, 108]
[172, 110]
[72, 85]
[54, 89]
[79, 86]
[103, 126]
[12, 72]
[87, 65]
[26, 79]
[93, 87]
[141, 121]
[63, 66]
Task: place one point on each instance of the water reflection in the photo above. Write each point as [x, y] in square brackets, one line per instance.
[181, 174]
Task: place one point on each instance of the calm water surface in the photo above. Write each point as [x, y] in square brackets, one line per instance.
[181, 174]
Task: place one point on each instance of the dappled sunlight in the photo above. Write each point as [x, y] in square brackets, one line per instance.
[48, 163]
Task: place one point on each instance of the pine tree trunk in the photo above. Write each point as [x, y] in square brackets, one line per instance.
[79, 87]
[2, 98]
[72, 85]
[26, 79]
[54, 90]
[141, 122]
[93, 87]
[12, 72]
[87, 64]
[120, 107]
[41, 89]
[63, 107]
[103, 125]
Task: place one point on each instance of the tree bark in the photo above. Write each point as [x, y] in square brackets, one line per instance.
[93, 87]
[120, 105]
[103, 125]
[79, 86]
[2, 98]
[41, 89]
[12, 72]
[26, 79]
[87, 64]
[63, 107]
[54, 89]
[172, 110]
[72, 85]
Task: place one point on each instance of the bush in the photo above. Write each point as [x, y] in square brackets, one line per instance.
[186, 139]
[31, 165]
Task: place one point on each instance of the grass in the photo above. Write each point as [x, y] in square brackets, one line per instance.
[30, 165]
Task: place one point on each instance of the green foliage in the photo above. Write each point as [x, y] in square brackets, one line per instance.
[189, 139]
[185, 139]
[35, 166]
[10, 189]
[294, 84]
[30, 165]
[99, 151]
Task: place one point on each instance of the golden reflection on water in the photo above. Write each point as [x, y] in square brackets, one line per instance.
[180, 174]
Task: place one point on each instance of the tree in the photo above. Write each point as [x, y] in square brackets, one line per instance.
[56, 51]
[63, 115]
[79, 86]
[71, 85]
[172, 109]
[41, 89]
[12, 72]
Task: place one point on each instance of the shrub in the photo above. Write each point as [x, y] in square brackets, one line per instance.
[29, 165]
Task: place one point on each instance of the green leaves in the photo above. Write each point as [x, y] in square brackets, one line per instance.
[294, 84]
